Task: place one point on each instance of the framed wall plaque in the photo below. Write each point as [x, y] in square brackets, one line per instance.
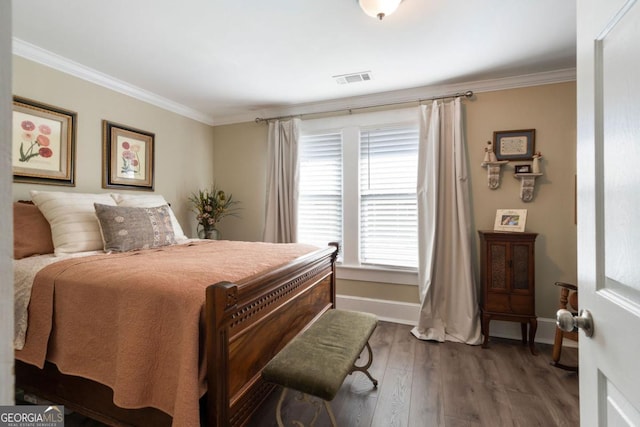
[514, 144]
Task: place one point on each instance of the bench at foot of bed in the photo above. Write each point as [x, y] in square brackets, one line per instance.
[317, 361]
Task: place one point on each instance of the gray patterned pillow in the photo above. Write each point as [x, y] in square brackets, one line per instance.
[126, 229]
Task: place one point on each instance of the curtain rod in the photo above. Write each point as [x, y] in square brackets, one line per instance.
[467, 94]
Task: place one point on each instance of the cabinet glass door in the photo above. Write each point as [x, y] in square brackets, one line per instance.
[521, 266]
[498, 267]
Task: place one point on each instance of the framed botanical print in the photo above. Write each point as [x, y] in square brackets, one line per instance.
[43, 143]
[127, 156]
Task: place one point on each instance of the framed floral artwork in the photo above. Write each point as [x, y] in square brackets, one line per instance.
[127, 154]
[43, 143]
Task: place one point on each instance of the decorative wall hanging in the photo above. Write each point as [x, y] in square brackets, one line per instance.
[127, 154]
[535, 164]
[43, 143]
[493, 166]
[528, 179]
[514, 144]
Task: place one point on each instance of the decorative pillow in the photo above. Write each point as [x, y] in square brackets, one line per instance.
[31, 231]
[149, 201]
[74, 227]
[127, 229]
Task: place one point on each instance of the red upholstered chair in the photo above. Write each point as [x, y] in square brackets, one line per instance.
[568, 301]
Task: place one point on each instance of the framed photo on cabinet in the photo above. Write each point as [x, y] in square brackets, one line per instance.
[510, 220]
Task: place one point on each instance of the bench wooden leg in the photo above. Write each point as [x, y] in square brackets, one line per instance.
[366, 367]
[307, 399]
[330, 412]
[279, 407]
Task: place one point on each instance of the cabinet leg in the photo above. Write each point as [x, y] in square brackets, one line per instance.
[523, 332]
[485, 330]
[533, 326]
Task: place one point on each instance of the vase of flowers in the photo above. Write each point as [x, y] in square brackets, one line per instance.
[210, 206]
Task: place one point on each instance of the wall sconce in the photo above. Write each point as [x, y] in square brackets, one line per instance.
[379, 8]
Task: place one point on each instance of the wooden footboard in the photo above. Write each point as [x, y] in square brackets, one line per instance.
[251, 322]
[247, 323]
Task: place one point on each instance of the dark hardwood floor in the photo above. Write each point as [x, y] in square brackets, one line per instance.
[424, 384]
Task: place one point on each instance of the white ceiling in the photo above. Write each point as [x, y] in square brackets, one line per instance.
[223, 59]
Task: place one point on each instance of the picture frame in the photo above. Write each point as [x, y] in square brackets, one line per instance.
[514, 144]
[128, 157]
[510, 220]
[43, 143]
[522, 168]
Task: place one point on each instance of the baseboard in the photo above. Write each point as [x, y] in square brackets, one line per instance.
[407, 314]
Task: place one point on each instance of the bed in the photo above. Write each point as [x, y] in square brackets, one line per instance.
[234, 324]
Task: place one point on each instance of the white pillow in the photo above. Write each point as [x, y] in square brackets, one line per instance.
[149, 201]
[72, 217]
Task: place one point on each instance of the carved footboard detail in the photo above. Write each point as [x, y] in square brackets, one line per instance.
[242, 338]
[251, 310]
[246, 407]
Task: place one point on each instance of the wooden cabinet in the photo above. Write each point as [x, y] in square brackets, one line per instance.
[507, 272]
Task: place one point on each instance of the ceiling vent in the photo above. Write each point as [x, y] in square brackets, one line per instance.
[362, 76]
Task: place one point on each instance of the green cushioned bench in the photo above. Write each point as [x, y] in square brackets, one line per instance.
[317, 361]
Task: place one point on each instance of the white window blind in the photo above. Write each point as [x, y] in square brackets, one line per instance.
[388, 209]
[320, 189]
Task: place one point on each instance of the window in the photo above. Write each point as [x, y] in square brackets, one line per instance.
[358, 187]
[320, 196]
[388, 209]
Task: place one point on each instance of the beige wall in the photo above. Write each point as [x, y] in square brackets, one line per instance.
[551, 111]
[240, 167]
[240, 153]
[183, 147]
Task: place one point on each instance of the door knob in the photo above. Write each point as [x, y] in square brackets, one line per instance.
[568, 322]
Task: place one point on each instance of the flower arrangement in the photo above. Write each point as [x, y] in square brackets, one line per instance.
[211, 206]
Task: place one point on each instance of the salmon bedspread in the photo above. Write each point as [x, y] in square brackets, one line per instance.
[134, 321]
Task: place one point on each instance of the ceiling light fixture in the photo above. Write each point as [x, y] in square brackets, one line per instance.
[379, 8]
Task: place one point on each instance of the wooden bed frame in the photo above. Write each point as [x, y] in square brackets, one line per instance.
[247, 323]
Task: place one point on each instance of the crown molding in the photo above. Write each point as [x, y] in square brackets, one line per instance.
[60, 63]
[414, 95]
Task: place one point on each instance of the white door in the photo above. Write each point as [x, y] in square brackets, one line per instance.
[608, 64]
